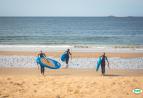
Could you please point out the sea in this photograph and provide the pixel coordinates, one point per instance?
(71, 30)
(25, 32)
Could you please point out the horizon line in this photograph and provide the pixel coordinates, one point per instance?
(73, 16)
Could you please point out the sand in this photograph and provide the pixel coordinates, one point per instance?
(69, 83)
(74, 54)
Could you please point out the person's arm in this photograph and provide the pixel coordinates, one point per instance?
(38, 54)
(107, 62)
(38, 66)
(44, 55)
(37, 63)
(70, 55)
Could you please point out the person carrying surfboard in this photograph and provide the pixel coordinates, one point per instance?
(42, 68)
(68, 56)
(103, 63)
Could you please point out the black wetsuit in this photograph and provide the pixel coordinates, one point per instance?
(42, 55)
(103, 64)
(67, 58)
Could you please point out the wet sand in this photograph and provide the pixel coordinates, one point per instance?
(74, 54)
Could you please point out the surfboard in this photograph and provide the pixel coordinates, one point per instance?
(98, 63)
(48, 62)
(64, 57)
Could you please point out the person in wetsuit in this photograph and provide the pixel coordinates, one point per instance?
(103, 63)
(42, 68)
(68, 56)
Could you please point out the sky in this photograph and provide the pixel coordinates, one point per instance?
(71, 7)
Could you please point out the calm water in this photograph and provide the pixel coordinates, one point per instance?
(71, 30)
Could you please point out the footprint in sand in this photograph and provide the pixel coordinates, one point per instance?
(23, 82)
(113, 90)
(113, 84)
(35, 84)
(126, 82)
(79, 87)
(3, 89)
(21, 90)
(93, 83)
(8, 78)
(120, 83)
(35, 91)
(58, 96)
(18, 84)
(11, 82)
(134, 80)
(108, 96)
(127, 93)
(5, 96)
(70, 90)
(40, 82)
(76, 92)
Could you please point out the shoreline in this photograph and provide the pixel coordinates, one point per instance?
(82, 61)
(74, 54)
(81, 57)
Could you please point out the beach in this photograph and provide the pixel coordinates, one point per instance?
(69, 83)
(20, 77)
(21, 39)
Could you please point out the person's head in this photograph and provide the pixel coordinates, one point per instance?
(41, 51)
(68, 49)
(103, 54)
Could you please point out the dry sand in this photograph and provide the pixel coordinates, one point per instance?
(69, 83)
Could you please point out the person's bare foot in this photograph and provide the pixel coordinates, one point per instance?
(102, 74)
(66, 66)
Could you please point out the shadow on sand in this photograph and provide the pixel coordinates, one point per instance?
(112, 75)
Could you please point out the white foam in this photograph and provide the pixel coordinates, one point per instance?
(33, 47)
(115, 63)
(79, 48)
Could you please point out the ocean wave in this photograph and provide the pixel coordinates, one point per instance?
(75, 48)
